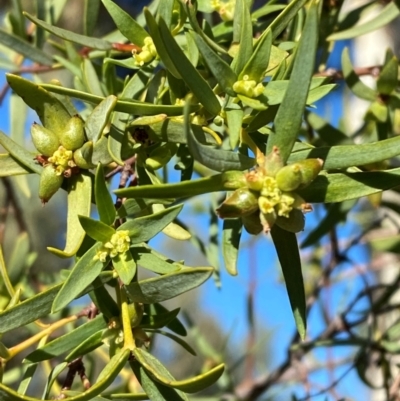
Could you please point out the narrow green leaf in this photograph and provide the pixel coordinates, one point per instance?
(344, 156)
(90, 15)
(52, 377)
(146, 257)
(339, 187)
(215, 159)
(27, 378)
(50, 110)
(90, 78)
(36, 307)
(387, 80)
(124, 106)
(83, 273)
(256, 66)
(289, 258)
(79, 203)
(90, 42)
(158, 320)
(159, 44)
(175, 338)
(96, 229)
(169, 286)
(226, 181)
(155, 391)
(242, 35)
(18, 161)
(126, 24)
(234, 118)
(232, 231)
(386, 15)
(86, 346)
(218, 67)
(165, 10)
(354, 82)
(67, 341)
(99, 117)
(125, 266)
(24, 48)
(288, 119)
(144, 228)
(104, 202)
(197, 84)
(174, 325)
(161, 374)
(104, 301)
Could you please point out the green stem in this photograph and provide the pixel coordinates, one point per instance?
(129, 341)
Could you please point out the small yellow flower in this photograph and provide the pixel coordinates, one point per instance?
(118, 244)
(62, 159)
(148, 53)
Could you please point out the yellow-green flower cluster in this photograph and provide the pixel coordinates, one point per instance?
(118, 244)
(147, 54)
(248, 87)
(226, 9)
(62, 159)
(268, 196)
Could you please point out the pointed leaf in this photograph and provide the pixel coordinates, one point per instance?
(197, 84)
(169, 286)
(143, 229)
(215, 159)
(90, 78)
(99, 117)
(24, 48)
(37, 306)
(67, 341)
(96, 229)
(86, 346)
(175, 338)
(218, 67)
(90, 16)
(386, 15)
(55, 372)
(149, 259)
(126, 24)
(387, 80)
(354, 82)
(90, 42)
(289, 258)
(79, 203)
(339, 187)
(288, 119)
(344, 156)
(104, 202)
(53, 115)
(232, 231)
(18, 161)
(125, 266)
(160, 373)
(83, 273)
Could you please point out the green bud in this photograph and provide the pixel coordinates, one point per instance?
(73, 136)
(83, 156)
(45, 141)
(241, 203)
(233, 180)
(252, 223)
(294, 223)
(255, 179)
(135, 311)
(50, 183)
(310, 168)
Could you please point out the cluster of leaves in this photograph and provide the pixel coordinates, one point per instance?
(228, 98)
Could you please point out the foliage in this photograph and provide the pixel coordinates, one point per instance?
(222, 92)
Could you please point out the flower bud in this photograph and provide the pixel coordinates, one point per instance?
(241, 203)
(73, 136)
(298, 175)
(294, 223)
(50, 183)
(255, 179)
(233, 180)
(83, 156)
(45, 141)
